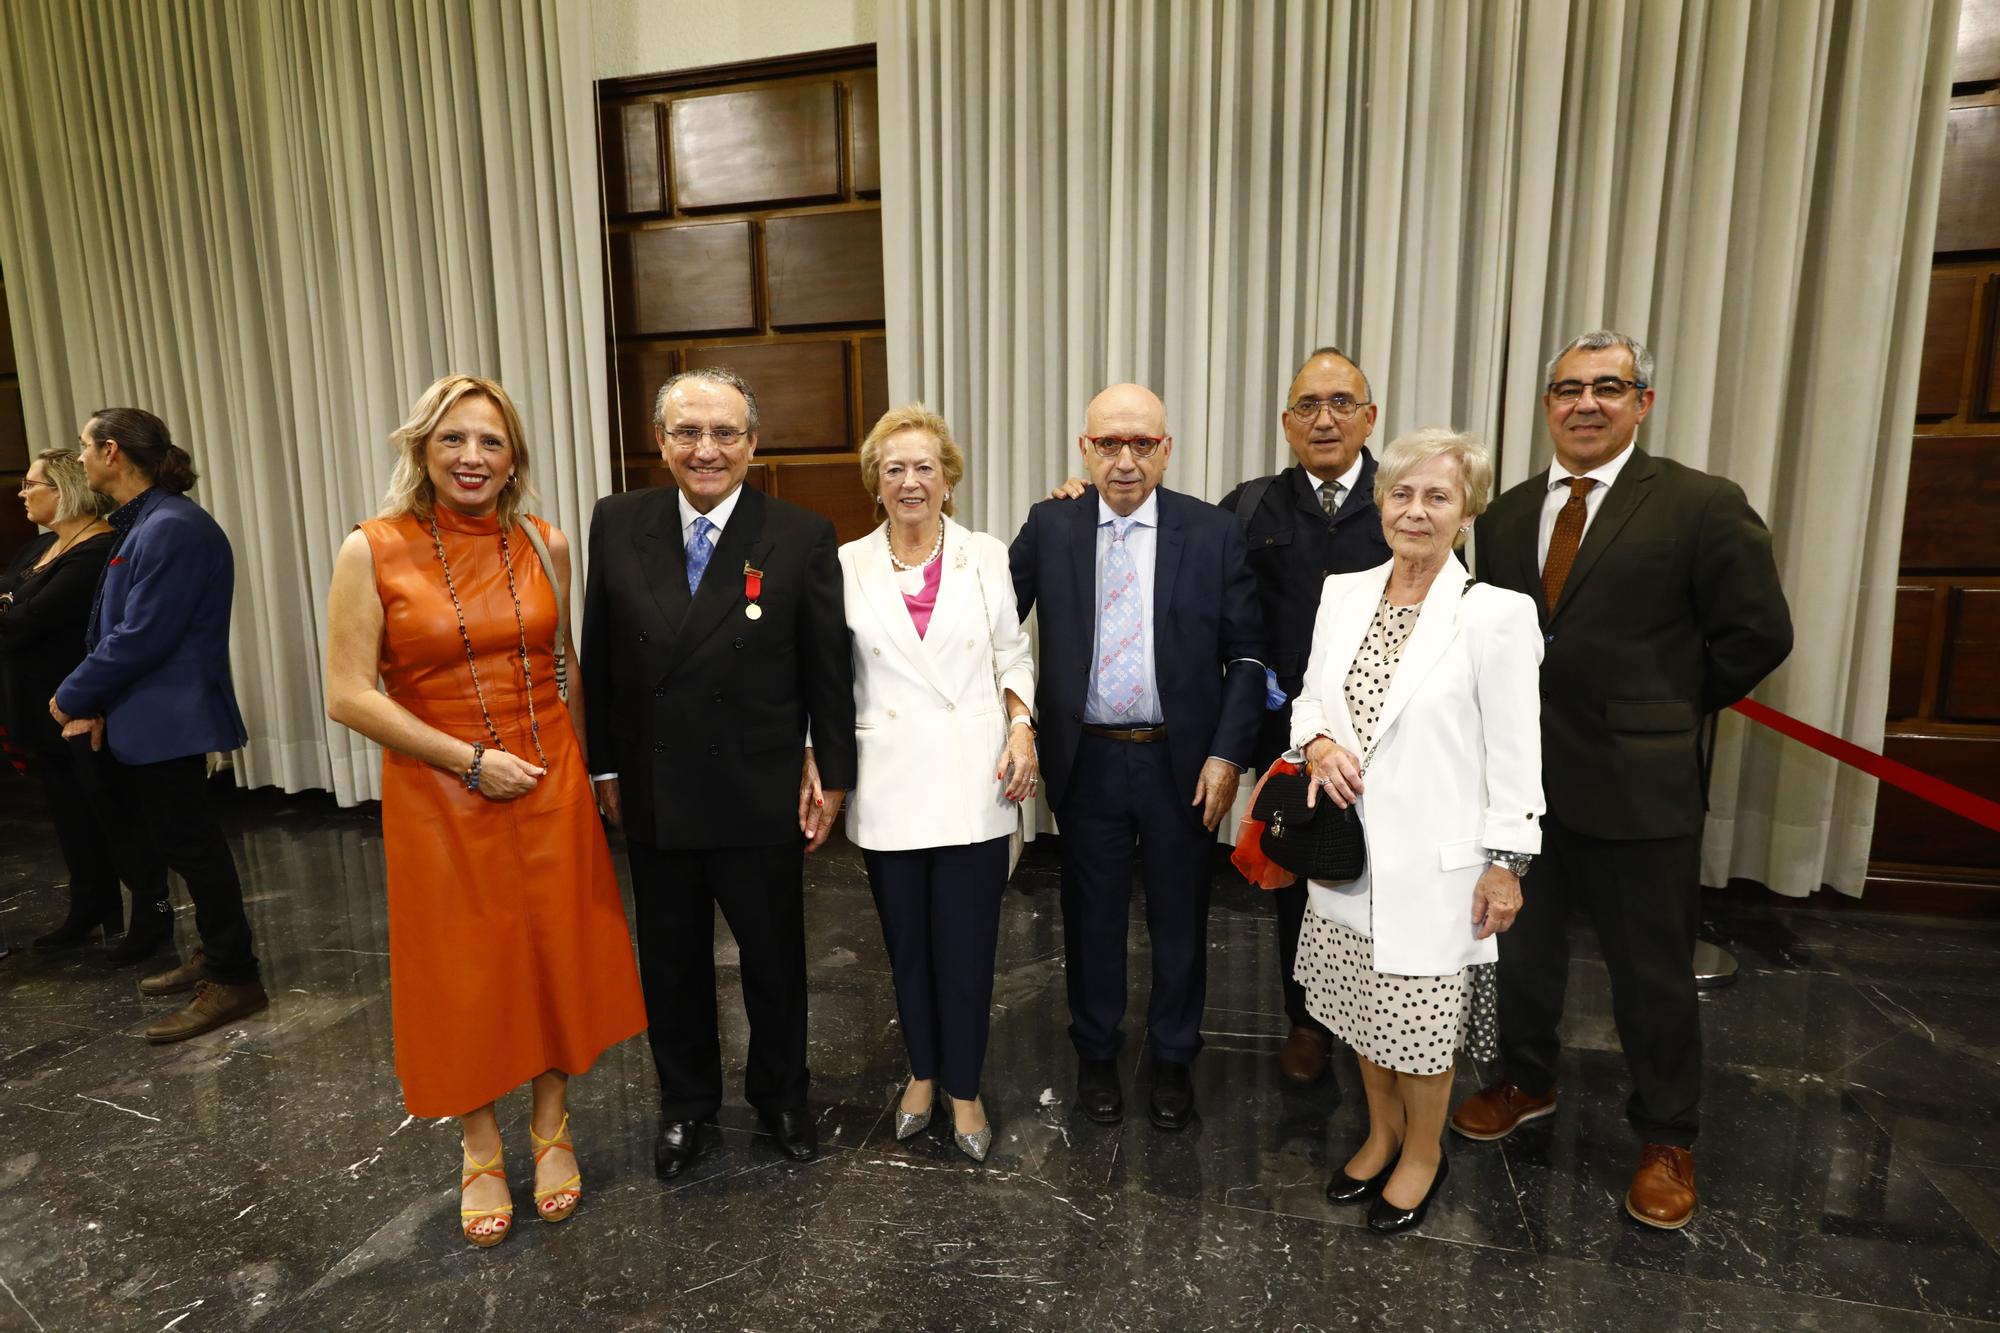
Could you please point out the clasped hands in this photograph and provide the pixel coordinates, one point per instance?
(72, 727)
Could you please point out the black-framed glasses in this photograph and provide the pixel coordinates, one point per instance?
(1608, 389)
(1307, 410)
(1110, 446)
(689, 437)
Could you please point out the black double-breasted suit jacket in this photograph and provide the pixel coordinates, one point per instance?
(699, 707)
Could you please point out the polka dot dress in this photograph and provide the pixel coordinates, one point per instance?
(1411, 1024)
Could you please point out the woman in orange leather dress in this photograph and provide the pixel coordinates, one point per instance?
(509, 958)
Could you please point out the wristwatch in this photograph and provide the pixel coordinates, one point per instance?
(1515, 862)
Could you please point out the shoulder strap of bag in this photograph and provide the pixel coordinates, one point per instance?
(1253, 495)
(534, 536)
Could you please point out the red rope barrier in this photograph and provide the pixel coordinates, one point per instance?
(1920, 785)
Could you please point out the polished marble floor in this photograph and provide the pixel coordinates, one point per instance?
(266, 1176)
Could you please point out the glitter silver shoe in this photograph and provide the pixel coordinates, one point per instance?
(977, 1144)
(909, 1126)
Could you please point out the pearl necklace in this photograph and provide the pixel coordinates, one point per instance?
(937, 549)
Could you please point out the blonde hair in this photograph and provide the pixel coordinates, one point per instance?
(912, 416)
(62, 468)
(410, 489)
(1414, 448)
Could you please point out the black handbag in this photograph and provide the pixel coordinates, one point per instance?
(1320, 842)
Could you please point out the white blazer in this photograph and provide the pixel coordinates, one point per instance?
(929, 720)
(1457, 766)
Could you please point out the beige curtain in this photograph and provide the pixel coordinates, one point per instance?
(274, 222)
(1193, 195)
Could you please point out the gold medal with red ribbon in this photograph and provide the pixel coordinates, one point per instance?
(753, 588)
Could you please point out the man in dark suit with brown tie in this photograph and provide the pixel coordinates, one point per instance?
(1660, 604)
(713, 634)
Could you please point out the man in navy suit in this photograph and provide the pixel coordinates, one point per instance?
(155, 688)
(1153, 688)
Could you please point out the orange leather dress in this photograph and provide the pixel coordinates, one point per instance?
(508, 949)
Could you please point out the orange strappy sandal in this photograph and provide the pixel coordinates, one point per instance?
(471, 1217)
(573, 1187)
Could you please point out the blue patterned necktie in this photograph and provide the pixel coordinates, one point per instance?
(699, 549)
(1121, 637)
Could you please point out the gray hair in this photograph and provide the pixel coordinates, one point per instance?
(722, 375)
(1415, 448)
(1596, 341)
(1330, 350)
(62, 467)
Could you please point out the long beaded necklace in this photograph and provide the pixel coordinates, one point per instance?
(471, 661)
(937, 549)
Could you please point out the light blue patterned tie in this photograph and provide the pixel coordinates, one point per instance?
(699, 549)
(1121, 629)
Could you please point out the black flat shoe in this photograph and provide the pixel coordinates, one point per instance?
(1173, 1094)
(676, 1148)
(1385, 1219)
(1097, 1091)
(82, 922)
(795, 1134)
(152, 929)
(1343, 1188)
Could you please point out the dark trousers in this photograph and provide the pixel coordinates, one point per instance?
(1292, 901)
(762, 895)
(1121, 793)
(1643, 896)
(80, 833)
(940, 910)
(170, 801)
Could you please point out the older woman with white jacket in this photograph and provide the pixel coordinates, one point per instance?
(1421, 702)
(944, 687)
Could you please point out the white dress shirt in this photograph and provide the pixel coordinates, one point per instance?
(1142, 540)
(1343, 485)
(1604, 474)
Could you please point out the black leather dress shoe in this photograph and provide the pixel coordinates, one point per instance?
(676, 1148)
(1173, 1094)
(1343, 1188)
(1386, 1219)
(794, 1132)
(1097, 1091)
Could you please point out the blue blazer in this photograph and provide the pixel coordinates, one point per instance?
(1209, 647)
(157, 669)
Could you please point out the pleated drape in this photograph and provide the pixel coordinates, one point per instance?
(1193, 195)
(274, 223)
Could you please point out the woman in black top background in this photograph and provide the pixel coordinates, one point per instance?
(45, 597)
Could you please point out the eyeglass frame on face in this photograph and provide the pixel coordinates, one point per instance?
(27, 483)
(1142, 446)
(1306, 410)
(724, 436)
(1595, 388)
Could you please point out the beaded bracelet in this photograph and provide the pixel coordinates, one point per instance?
(471, 778)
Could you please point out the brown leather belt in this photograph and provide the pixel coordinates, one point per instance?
(1136, 735)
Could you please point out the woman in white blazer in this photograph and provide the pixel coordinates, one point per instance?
(944, 688)
(1422, 702)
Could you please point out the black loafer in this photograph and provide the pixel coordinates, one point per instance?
(676, 1148)
(1343, 1188)
(793, 1132)
(1097, 1091)
(1385, 1219)
(1173, 1094)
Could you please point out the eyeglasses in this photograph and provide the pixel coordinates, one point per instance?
(1110, 446)
(1307, 410)
(689, 437)
(29, 484)
(1610, 389)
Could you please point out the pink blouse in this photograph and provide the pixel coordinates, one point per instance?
(924, 600)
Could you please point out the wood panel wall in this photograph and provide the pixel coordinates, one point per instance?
(743, 228)
(1944, 688)
(14, 450)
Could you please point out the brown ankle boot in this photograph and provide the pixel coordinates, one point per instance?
(214, 1005)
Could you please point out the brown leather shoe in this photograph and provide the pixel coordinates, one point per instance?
(177, 979)
(1499, 1109)
(214, 1005)
(1662, 1193)
(1302, 1059)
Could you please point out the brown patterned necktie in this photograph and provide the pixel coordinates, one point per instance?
(1329, 498)
(1564, 540)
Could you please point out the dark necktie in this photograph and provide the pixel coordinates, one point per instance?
(1564, 540)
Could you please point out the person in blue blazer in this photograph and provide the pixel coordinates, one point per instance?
(1152, 679)
(154, 689)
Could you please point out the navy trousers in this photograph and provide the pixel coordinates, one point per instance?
(940, 910)
(1121, 800)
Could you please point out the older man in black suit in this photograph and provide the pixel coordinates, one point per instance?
(713, 630)
(1660, 604)
(1152, 687)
